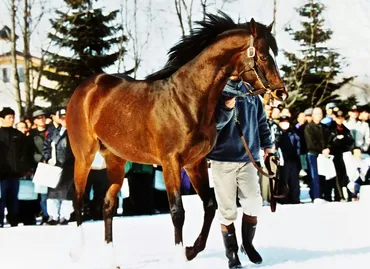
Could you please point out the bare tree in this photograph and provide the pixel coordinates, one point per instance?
(179, 16)
(225, 2)
(27, 55)
(15, 80)
(274, 18)
(137, 40)
(203, 3)
(189, 13)
(186, 17)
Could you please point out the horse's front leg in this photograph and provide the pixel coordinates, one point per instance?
(198, 174)
(115, 174)
(172, 178)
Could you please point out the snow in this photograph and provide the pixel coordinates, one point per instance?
(312, 236)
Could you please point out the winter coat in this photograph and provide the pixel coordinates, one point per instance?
(317, 136)
(338, 144)
(15, 160)
(360, 132)
(290, 144)
(37, 141)
(252, 118)
(64, 158)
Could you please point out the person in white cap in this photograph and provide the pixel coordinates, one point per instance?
(329, 118)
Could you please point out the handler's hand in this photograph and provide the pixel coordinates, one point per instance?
(230, 103)
(326, 152)
(268, 151)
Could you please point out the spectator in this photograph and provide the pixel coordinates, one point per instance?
(54, 124)
(301, 119)
(22, 127)
(289, 143)
(13, 165)
(141, 180)
(285, 112)
(328, 120)
(59, 201)
(37, 136)
(340, 141)
(316, 135)
(306, 178)
(308, 113)
(365, 129)
(97, 182)
(359, 173)
(359, 130)
(28, 121)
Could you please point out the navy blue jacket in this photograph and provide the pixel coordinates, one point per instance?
(251, 115)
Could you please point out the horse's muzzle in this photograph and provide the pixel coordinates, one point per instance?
(280, 94)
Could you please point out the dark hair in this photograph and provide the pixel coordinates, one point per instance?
(353, 150)
(6, 111)
(16, 125)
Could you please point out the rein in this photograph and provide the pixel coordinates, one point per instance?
(274, 188)
(270, 174)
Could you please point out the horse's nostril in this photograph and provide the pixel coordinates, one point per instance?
(281, 94)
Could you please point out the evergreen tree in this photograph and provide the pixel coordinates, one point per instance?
(309, 75)
(89, 36)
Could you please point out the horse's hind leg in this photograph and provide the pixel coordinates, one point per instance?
(115, 173)
(81, 172)
(198, 174)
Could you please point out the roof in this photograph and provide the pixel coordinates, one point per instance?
(20, 55)
(5, 33)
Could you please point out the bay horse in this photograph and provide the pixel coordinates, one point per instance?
(168, 118)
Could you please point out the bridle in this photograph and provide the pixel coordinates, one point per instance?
(268, 89)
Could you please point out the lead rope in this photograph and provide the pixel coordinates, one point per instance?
(240, 130)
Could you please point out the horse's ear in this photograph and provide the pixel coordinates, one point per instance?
(253, 27)
(269, 28)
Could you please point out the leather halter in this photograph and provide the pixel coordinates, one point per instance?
(252, 65)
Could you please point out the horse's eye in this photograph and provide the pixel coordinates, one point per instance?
(263, 57)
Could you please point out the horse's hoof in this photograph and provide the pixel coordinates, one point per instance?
(190, 253)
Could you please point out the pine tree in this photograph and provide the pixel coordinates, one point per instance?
(88, 35)
(310, 75)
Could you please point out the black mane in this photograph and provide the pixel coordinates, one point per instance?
(201, 37)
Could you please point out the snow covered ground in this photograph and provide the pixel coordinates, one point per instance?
(308, 236)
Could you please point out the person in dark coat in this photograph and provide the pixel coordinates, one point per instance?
(340, 141)
(59, 202)
(53, 125)
(289, 143)
(316, 135)
(14, 164)
(304, 153)
(37, 137)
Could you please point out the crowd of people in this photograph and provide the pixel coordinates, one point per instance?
(342, 138)
(345, 137)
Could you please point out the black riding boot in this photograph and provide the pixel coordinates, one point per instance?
(231, 246)
(248, 230)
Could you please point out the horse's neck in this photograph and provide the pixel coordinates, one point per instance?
(205, 76)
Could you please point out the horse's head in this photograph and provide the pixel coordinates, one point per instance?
(258, 67)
